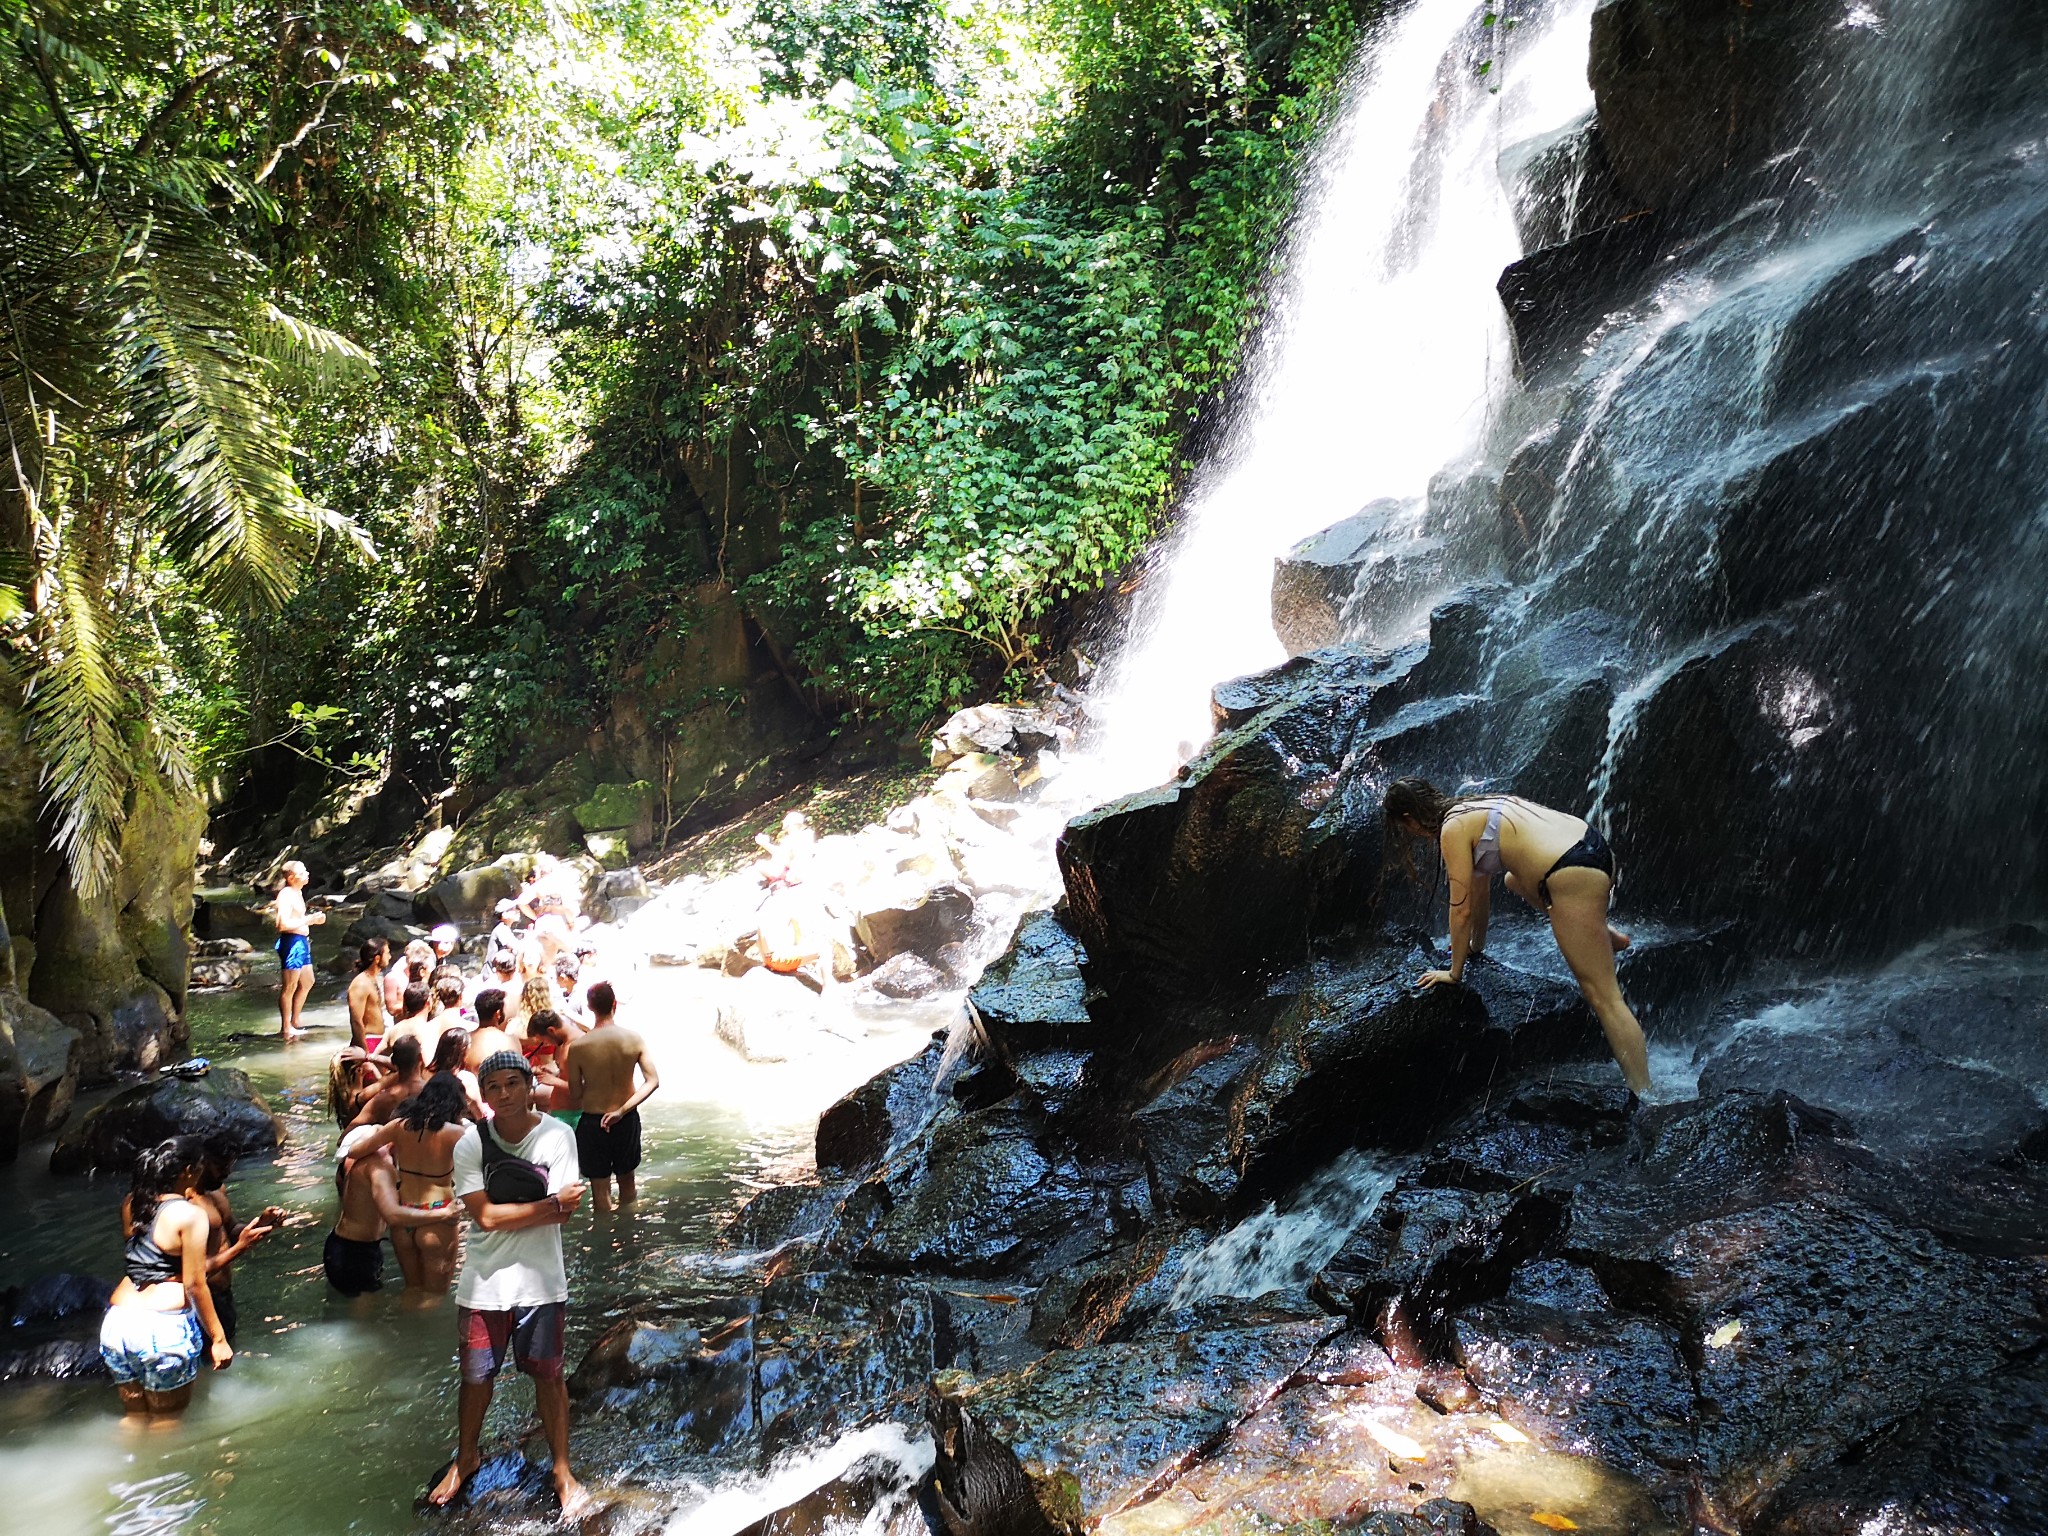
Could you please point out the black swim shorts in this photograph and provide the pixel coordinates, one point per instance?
(601, 1153)
(353, 1267)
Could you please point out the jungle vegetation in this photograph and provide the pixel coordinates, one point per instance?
(380, 379)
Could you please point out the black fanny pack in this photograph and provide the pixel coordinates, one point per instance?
(510, 1179)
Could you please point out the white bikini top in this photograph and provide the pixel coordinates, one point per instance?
(1486, 858)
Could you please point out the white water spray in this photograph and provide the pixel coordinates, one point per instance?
(1386, 350)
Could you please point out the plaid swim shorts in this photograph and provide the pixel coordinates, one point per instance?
(532, 1335)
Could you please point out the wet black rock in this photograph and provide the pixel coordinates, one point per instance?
(1561, 185)
(53, 1360)
(629, 1355)
(785, 1213)
(1270, 835)
(879, 1116)
(1188, 1132)
(1973, 1459)
(1900, 1099)
(1098, 1428)
(1035, 994)
(921, 925)
(834, 1350)
(52, 1298)
(978, 1486)
(1564, 1365)
(1359, 580)
(219, 1105)
(988, 1194)
(1553, 296)
(1432, 1517)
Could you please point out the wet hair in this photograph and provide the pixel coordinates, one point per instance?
(490, 1006)
(161, 1172)
(453, 1049)
(546, 1022)
(1421, 803)
(603, 1000)
(440, 1101)
(414, 1001)
(448, 991)
(405, 1055)
(366, 956)
(216, 1162)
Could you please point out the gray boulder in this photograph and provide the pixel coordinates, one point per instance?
(920, 925)
(472, 895)
(1360, 579)
(38, 1071)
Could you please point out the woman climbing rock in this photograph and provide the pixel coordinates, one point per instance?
(1554, 861)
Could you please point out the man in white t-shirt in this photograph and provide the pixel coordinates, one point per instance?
(514, 1292)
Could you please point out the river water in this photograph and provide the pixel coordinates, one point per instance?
(335, 1412)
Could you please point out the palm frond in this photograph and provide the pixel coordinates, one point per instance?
(201, 413)
(76, 701)
(311, 349)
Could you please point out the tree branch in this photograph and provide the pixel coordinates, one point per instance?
(39, 61)
(307, 126)
(179, 100)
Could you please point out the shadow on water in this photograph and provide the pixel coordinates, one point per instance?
(334, 1412)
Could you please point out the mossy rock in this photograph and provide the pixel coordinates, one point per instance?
(618, 807)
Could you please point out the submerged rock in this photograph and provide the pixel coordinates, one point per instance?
(219, 1105)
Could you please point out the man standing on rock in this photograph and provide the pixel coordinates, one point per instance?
(294, 949)
(516, 1174)
(599, 1066)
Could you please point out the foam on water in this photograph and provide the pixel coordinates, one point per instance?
(1276, 1248)
(897, 1456)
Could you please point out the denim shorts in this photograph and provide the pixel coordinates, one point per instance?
(160, 1351)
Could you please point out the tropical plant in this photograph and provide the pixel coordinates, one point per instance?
(140, 367)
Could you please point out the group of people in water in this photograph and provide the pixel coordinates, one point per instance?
(498, 1096)
(502, 1095)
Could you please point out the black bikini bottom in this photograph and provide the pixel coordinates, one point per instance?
(1589, 852)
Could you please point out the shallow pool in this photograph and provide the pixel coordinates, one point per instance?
(335, 1412)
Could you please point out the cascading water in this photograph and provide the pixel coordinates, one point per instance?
(1383, 356)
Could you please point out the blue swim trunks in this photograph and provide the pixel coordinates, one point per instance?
(160, 1350)
(294, 951)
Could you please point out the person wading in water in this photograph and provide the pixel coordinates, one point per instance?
(599, 1068)
(161, 1315)
(294, 949)
(517, 1176)
(1554, 861)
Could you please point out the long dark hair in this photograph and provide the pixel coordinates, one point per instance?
(440, 1101)
(405, 1055)
(1421, 803)
(454, 1046)
(162, 1171)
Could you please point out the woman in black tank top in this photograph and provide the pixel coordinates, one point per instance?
(161, 1315)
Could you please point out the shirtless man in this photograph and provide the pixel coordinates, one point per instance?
(489, 1037)
(599, 1067)
(354, 1255)
(294, 949)
(366, 993)
(408, 1072)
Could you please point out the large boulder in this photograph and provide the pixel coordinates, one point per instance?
(921, 923)
(626, 809)
(220, 1105)
(471, 895)
(39, 1060)
(1270, 834)
(881, 1115)
(1358, 580)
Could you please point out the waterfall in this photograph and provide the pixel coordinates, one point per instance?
(1383, 354)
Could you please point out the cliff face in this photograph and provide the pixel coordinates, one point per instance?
(88, 986)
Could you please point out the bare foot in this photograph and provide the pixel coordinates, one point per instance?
(446, 1491)
(1618, 939)
(290, 1035)
(576, 1499)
